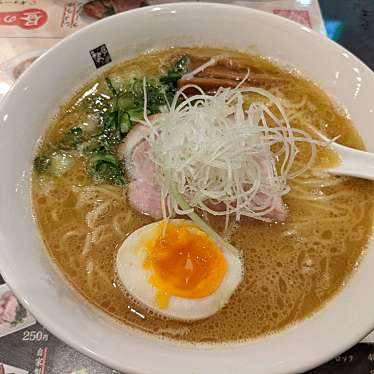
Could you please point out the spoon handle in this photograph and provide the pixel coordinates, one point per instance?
(354, 163)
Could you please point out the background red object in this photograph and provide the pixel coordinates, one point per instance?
(300, 16)
(26, 19)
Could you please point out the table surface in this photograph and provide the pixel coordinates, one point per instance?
(351, 24)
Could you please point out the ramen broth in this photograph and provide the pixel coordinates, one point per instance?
(291, 269)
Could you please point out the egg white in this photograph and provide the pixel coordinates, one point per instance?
(134, 277)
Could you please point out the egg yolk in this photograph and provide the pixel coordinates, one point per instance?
(185, 262)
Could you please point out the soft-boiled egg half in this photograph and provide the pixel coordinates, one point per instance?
(175, 269)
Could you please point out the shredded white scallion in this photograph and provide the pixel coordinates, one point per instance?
(200, 68)
(221, 157)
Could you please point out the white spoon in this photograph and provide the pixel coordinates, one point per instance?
(354, 163)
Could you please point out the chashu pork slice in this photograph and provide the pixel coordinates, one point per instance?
(144, 193)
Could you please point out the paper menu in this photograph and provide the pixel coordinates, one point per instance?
(40, 18)
(33, 25)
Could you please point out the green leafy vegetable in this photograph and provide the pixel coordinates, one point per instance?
(105, 167)
(126, 101)
(110, 86)
(42, 163)
(102, 162)
(71, 139)
(124, 122)
(136, 114)
(175, 73)
(118, 111)
(159, 92)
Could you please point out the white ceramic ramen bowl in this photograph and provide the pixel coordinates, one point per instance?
(23, 261)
